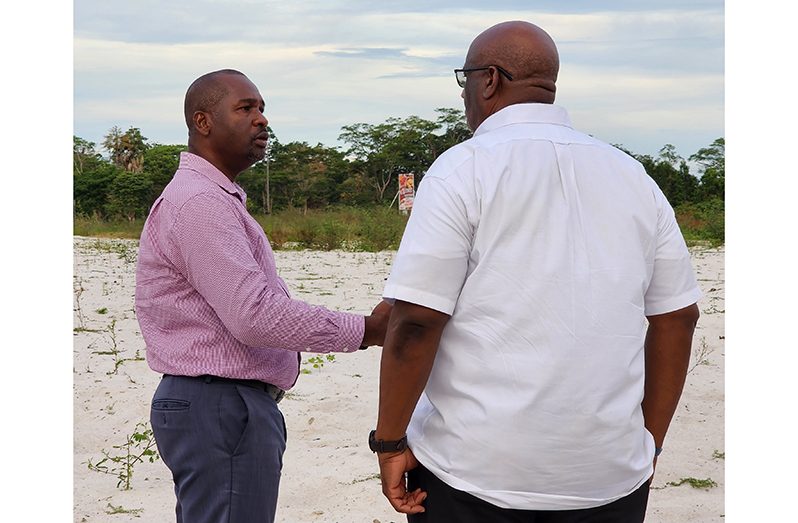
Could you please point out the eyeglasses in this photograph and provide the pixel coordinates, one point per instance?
(460, 74)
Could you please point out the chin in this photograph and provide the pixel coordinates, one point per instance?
(257, 155)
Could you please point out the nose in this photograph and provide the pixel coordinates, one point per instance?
(462, 93)
(261, 120)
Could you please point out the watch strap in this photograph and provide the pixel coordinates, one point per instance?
(381, 445)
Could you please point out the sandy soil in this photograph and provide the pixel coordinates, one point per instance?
(329, 473)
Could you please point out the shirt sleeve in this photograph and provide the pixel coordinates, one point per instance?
(212, 249)
(673, 285)
(431, 263)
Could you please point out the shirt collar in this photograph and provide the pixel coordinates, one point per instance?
(202, 166)
(525, 113)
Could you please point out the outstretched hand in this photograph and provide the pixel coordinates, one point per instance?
(394, 482)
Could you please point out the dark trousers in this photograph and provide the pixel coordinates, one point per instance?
(224, 444)
(447, 505)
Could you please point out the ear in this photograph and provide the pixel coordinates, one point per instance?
(202, 123)
(492, 84)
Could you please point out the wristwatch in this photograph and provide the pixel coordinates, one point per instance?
(386, 446)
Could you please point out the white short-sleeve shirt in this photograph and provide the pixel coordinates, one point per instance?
(548, 248)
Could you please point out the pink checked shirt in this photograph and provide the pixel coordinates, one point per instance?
(208, 297)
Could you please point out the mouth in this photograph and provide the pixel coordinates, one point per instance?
(261, 139)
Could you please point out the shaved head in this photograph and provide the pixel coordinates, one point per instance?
(522, 49)
(205, 93)
(225, 119)
(525, 50)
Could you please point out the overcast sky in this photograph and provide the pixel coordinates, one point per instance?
(638, 73)
(641, 73)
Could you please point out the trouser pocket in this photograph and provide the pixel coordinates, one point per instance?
(233, 418)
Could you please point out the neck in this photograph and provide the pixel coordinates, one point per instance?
(214, 159)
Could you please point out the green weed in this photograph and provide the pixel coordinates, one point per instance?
(138, 447)
(122, 510)
(705, 484)
(701, 354)
(317, 362)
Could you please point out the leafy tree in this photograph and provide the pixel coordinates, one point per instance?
(712, 162)
(672, 175)
(84, 155)
(305, 176)
(91, 189)
(126, 149)
(129, 196)
(160, 164)
(454, 125)
(668, 154)
(355, 190)
(381, 152)
(257, 180)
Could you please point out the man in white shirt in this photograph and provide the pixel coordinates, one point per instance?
(544, 312)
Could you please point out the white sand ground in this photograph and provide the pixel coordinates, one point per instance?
(329, 473)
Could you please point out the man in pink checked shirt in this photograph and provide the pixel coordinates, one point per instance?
(218, 321)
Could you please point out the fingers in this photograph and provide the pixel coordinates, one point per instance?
(394, 485)
(408, 502)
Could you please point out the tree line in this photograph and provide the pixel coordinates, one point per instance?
(125, 183)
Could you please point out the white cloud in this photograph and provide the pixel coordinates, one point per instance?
(324, 65)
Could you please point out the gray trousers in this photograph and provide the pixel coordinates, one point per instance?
(224, 444)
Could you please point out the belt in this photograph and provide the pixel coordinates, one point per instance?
(272, 390)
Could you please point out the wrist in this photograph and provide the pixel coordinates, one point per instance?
(382, 446)
(368, 330)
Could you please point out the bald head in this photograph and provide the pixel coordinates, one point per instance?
(527, 52)
(205, 93)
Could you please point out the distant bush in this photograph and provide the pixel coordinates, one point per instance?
(97, 227)
(703, 222)
(380, 228)
(350, 228)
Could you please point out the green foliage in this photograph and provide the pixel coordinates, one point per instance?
(129, 196)
(350, 228)
(84, 155)
(160, 164)
(321, 198)
(126, 149)
(400, 145)
(381, 229)
(125, 250)
(92, 188)
(705, 484)
(317, 362)
(703, 222)
(672, 175)
(96, 227)
(122, 510)
(712, 160)
(701, 354)
(138, 447)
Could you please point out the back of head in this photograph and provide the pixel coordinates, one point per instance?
(527, 52)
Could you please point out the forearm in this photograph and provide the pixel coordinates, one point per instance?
(407, 358)
(667, 349)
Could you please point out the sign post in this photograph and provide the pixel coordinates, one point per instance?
(406, 192)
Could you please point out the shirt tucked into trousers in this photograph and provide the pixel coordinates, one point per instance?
(210, 303)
